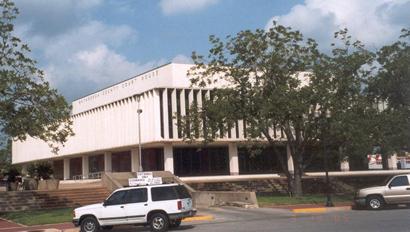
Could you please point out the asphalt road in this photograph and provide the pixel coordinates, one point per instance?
(272, 220)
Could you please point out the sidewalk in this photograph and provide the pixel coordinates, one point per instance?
(7, 226)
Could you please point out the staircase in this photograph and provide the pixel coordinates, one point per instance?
(65, 198)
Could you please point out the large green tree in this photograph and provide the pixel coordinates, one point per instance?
(28, 105)
(276, 79)
(391, 88)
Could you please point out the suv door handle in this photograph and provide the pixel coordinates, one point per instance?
(407, 188)
(145, 204)
(122, 207)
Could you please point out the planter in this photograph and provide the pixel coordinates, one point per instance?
(51, 184)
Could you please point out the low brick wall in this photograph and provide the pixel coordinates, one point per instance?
(279, 186)
(205, 199)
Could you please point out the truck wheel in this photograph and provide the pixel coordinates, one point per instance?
(159, 222)
(89, 224)
(375, 202)
(175, 223)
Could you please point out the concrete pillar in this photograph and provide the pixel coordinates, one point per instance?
(392, 162)
(86, 167)
(24, 170)
(290, 159)
(66, 169)
(107, 162)
(168, 158)
(135, 160)
(344, 165)
(233, 159)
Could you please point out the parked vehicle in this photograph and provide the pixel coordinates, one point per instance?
(159, 206)
(395, 191)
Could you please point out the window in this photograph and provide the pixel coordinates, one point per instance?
(163, 193)
(117, 198)
(169, 193)
(137, 195)
(399, 181)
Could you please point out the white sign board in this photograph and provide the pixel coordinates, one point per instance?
(144, 178)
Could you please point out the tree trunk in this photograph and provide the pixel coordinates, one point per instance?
(297, 183)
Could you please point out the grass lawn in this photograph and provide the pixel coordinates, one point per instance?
(40, 217)
(306, 199)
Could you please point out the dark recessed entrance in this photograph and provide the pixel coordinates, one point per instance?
(201, 161)
(153, 159)
(260, 162)
(121, 161)
(76, 167)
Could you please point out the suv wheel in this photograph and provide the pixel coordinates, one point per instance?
(375, 202)
(175, 223)
(159, 222)
(89, 224)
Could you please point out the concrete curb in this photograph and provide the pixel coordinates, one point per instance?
(321, 209)
(199, 218)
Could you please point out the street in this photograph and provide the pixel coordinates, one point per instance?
(246, 220)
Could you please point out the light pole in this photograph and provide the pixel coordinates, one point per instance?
(327, 116)
(139, 111)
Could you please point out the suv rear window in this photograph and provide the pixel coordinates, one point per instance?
(169, 193)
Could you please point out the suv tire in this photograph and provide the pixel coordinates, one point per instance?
(375, 202)
(175, 223)
(159, 222)
(89, 224)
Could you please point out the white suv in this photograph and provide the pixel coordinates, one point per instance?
(160, 206)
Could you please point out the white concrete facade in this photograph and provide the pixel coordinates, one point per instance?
(106, 122)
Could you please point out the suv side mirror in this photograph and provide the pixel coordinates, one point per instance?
(104, 202)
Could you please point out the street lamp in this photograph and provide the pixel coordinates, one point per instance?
(139, 111)
(327, 116)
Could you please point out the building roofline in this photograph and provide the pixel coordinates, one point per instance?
(150, 70)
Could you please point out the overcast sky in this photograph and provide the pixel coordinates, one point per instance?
(86, 45)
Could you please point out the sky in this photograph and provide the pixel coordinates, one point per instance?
(86, 45)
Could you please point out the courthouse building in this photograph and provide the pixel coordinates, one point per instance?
(105, 124)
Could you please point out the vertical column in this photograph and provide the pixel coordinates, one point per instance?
(168, 158)
(24, 170)
(135, 160)
(290, 159)
(233, 159)
(107, 162)
(66, 169)
(392, 162)
(85, 167)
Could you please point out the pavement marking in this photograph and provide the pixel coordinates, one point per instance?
(199, 218)
(309, 210)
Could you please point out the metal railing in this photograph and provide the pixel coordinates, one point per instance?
(92, 175)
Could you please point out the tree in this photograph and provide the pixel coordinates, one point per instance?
(391, 89)
(28, 105)
(266, 89)
(277, 79)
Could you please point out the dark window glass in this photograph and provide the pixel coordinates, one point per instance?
(96, 163)
(153, 159)
(194, 161)
(137, 195)
(399, 181)
(117, 198)
(76, 168)
(182, 192)
(121, 161)
(163, 193)
(262, 161)
(170, 124)
(179, 113)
